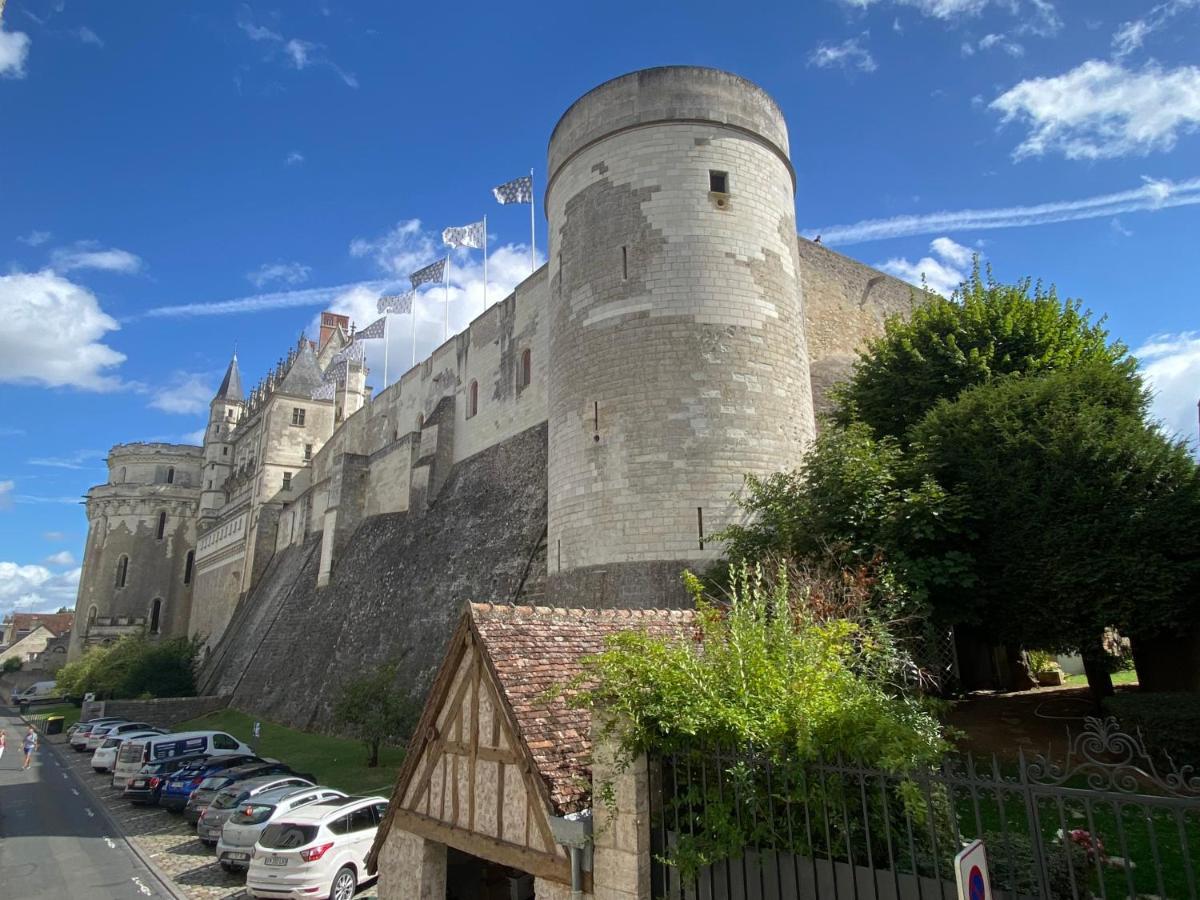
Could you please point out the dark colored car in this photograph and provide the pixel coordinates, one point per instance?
(178, 789)
(204, 793)
(147, 784)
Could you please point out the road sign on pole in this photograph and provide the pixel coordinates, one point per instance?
(971, 873)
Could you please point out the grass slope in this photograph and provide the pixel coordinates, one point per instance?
(336, 762)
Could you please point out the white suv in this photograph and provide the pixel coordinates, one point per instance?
(318, 850)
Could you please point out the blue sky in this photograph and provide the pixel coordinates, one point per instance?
(177, 179)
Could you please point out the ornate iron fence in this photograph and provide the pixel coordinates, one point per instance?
(1107, 821)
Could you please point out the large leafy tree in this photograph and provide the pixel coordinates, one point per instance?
(1079, 515)
(376, 711)
(987, 330)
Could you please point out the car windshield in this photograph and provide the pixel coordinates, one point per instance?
(253, 813)
(111, 742)
(212, 783)
(226, 799)
(287, 836)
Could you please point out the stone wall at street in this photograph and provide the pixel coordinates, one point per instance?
(165, 711)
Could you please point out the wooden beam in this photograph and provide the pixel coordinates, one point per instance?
(474, 750)
(553, 868)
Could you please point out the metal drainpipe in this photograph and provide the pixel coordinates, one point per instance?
(575, 833)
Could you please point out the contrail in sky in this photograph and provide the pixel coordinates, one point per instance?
(1151, 195)
(260, 302)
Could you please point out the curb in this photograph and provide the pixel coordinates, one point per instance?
(163, 879)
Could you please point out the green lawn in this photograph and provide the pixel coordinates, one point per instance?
(335, 762)
(1125, 676)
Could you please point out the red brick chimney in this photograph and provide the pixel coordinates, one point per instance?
(329, 323)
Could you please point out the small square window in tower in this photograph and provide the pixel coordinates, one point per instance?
(297, 416)
(287, 481)
(308, 451)
(718, 182)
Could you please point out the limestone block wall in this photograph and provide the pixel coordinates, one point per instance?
(846, 304)
(677, 349)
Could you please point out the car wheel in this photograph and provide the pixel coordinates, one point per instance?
(227, 867)
(344, 884)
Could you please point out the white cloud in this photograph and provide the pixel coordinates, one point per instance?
(1000, 41)
(1130, 36)
(52, 334)
(298, 53)
(54, 535)
(194, 437)
(88, 255)
(849, 54)
(1153, 194)
(35, 238)
(942, 272)
(404, 249)
(1039, 16)
(1171, 364)
(34, 588)
(14, 51)
(187, 394)
(87, 36)
(6, 494)
(261, 302)
(1118, 228)
(294, 158)
(61, 558)
(286, 272)
(80, 459)
(1102, 110)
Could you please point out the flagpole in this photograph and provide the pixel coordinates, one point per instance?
(385, 351)
(532, 228)
(413, 310)
(485, 285)
(446, 301)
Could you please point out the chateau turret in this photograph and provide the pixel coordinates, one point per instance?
(677, 358)
(223, 413)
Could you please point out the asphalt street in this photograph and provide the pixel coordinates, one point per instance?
(55, 843)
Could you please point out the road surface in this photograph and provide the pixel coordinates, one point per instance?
(55, 843)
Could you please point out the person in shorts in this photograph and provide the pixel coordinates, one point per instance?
(29, 745)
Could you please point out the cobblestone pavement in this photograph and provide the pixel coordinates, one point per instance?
(167, 839)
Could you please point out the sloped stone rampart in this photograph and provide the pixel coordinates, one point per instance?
(396, 590)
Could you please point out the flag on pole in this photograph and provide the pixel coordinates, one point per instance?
(326, 391)
(433, 273)
(372, 332)
(464, 236)
(352, 352)
(396, 303)
(519, 190)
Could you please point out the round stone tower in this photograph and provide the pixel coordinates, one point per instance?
(138, 559)
(676, 335)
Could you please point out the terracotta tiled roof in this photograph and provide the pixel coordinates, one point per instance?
(56, 623)
(533, 650)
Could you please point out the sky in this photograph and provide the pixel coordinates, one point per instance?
(180, 180)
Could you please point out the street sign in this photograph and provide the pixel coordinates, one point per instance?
(257, 730)
(971, 873)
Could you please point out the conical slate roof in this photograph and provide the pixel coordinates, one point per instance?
(231, 384)
(304, 375)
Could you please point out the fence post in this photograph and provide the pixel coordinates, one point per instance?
(1034, 824)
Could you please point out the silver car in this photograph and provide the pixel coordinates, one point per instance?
(225, 803)
(249, 818)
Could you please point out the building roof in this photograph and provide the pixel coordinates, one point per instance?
(533, 651)
(55, 623)
(231, 384)
(303, 375)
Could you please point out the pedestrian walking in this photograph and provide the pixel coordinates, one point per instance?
(3, 742)
(29, 745)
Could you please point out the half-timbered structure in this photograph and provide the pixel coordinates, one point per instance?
(499, 755)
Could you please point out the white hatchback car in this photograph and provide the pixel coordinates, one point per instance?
(243, 828)
(318, 850)
(105, 756)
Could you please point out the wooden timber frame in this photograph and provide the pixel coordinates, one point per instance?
(469, 780)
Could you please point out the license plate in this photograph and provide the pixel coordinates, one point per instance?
(276, 860)
(244, 856)
(138, 784)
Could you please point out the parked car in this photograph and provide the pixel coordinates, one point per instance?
(208, 789)
(80, 735)
(146, 784)
(225, 803)
(105, 756)
(97, 736)
(135, 754)
(179, 787)
(248, 819)
(316, 849)
(90, 722)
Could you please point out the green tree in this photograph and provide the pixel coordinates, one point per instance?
(376, 711)
(12, 664)
(985, 331)
(1079, 514)
(134, 667)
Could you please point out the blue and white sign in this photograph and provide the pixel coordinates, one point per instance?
(971, 873)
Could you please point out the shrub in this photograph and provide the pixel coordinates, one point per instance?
(12, 664)
(133, 667)
(1169, 723)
